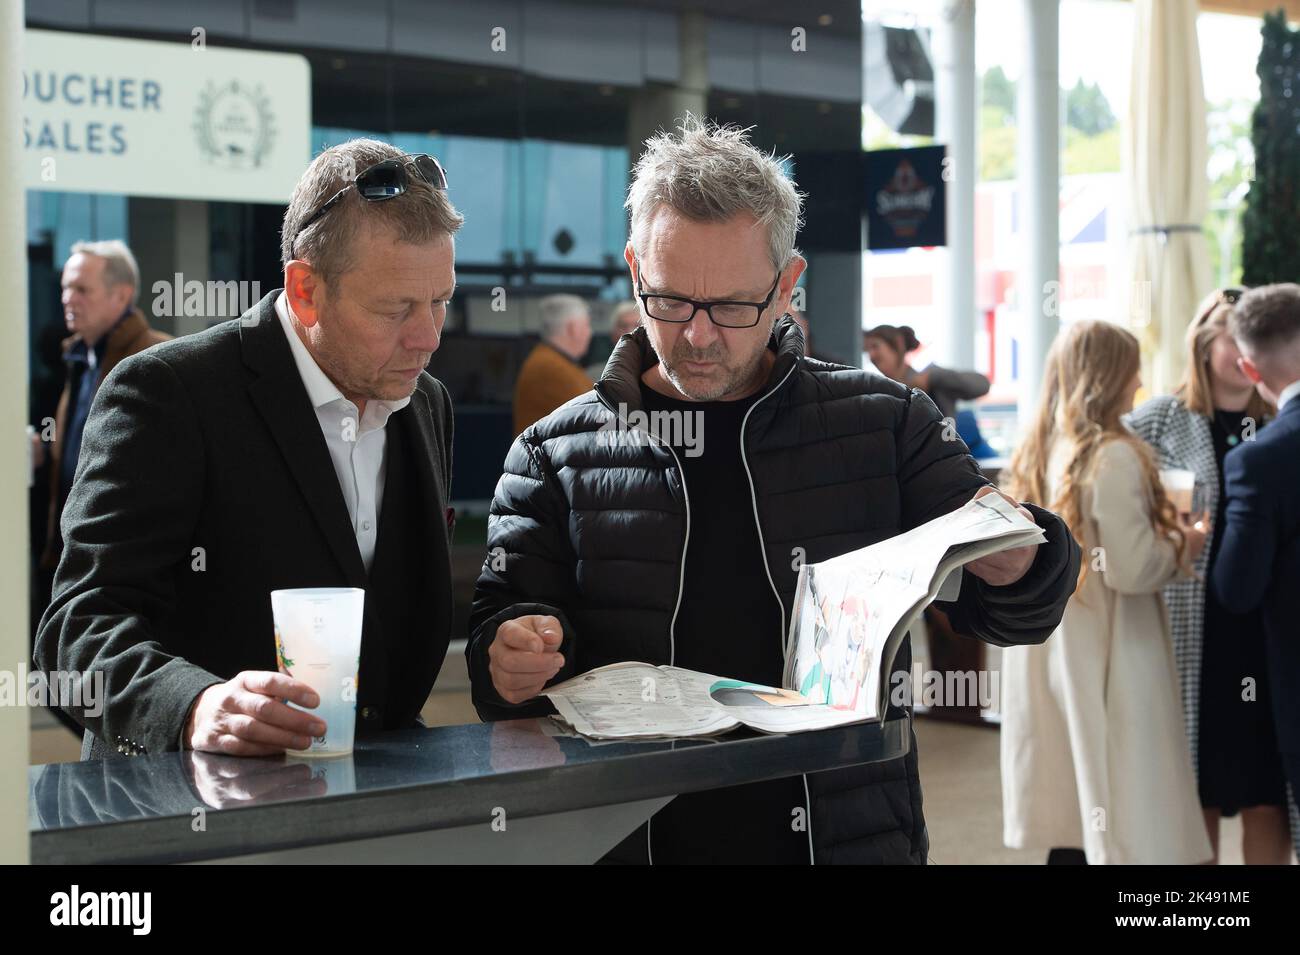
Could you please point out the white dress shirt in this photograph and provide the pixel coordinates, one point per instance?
(1288, 394)
(356, 448)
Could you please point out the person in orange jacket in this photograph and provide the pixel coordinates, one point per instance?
(551, 374)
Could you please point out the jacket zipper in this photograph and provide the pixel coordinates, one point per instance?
(762, 550)
(681, 567)
(681, 572)
(681, 576)
(753, 496)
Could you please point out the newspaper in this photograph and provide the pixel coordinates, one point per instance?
(850, 614)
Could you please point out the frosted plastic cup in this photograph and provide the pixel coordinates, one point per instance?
(318, 641)
(1179, 485)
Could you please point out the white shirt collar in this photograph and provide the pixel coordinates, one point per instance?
(1288, 393)
(320, 390)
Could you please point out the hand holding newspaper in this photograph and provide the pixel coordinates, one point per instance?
(850, 614)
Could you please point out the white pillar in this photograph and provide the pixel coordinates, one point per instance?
(956, 107)
(1038, 183)
(14, 466)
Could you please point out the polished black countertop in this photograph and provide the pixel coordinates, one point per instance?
(185, 807)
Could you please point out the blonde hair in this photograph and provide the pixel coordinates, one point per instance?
(1085, 388)
(1196, 390)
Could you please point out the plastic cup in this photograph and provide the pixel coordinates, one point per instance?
(318, 641)
(1179, 485)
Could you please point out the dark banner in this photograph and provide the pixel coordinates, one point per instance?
(905, 198)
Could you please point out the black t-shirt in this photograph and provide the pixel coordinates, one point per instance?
(729, 624)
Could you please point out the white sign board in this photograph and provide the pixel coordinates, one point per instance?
(142, 118)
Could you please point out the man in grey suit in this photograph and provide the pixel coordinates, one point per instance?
(301, 445)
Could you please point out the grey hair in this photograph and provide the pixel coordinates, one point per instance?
(556, 310)
(119, 263)
(710, 173)
(421, 214)
(629, 307)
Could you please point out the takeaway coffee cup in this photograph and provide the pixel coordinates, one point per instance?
(1179, 485)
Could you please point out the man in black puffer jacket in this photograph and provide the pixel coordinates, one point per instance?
(683, 549)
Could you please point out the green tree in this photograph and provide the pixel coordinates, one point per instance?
(997, 132)
(999, 92)
(1228, 167)
(1270, 239)
(1091, 136)
(1085, 154)
(1087, 110)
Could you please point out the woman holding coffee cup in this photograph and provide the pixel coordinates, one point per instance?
(1220, 654)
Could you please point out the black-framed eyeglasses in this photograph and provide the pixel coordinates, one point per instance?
(384, 180)
(725, 314)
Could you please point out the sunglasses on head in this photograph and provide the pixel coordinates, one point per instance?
(384, 180)
(1224, 296)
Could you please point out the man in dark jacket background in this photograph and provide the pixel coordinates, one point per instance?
(683, 550)
(1259, 557)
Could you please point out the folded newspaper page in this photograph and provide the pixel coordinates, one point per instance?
(850, 614)
(642, 701)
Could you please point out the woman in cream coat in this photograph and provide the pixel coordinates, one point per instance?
(1093, 747)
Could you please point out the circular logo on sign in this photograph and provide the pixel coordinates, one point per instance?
(234, 125)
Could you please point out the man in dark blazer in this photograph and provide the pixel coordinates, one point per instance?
(1259, 559)
(301, 445)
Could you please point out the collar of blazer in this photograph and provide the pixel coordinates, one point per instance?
(1290, 396)
(281, 398)
(122, 338)
(620, 383)
(1290, 410)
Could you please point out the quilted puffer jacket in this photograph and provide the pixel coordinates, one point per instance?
(594, 532)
